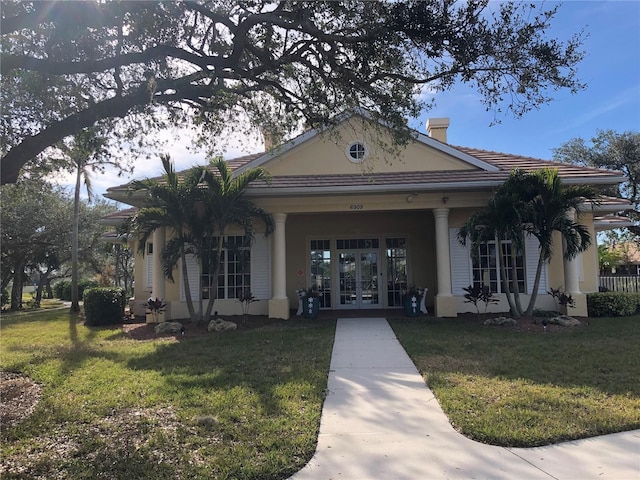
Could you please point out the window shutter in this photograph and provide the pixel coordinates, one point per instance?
(460, 263)
(531, 255)
(148, 267)
(193, 271)
(261, 268)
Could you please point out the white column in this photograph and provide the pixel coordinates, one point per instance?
(158, 281)
(445, 302)
(443, 263)
(571, 281)
(279, 257)
(279, 304)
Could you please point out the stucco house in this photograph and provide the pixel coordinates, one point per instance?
(363, 223)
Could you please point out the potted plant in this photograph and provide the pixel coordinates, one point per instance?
(411, 301)
(311, 303)
(155, 310)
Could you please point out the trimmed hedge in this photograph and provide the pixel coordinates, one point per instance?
(62, 289)
(613, 304)
(104, 306)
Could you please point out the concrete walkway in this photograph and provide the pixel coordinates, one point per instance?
(380, 421)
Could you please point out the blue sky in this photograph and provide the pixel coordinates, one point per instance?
(611, 70)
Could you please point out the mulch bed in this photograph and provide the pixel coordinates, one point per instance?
(526, 324)
(138, 330)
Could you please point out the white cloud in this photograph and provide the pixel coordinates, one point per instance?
(179, 144)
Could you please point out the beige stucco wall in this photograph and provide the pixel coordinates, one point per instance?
(327, 154)
(417, 227)
(589, 259)
(140, 290)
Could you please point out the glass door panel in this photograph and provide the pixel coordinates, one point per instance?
(347, 277)
(368, 267)
(358, 275)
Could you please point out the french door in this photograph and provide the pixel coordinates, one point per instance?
(359, 279)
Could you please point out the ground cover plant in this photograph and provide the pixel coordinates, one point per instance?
(242, 405)
(518, 387)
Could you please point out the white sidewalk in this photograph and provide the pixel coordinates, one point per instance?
(380, 421)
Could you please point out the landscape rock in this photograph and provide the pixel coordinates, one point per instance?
(206, 420)
(501, 321)
(564, 321)
(168, 327)
(220, 325)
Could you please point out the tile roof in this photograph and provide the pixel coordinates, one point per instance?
(116, 218)
(454, 179)
(425, 180)
(508, 162)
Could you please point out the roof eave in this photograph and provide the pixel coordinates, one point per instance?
(356, 189)
(122, 194)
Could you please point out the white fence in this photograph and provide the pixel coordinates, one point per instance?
(620, 284)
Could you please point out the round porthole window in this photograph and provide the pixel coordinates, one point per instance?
(356, 152)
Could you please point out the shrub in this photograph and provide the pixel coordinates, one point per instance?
(613, 304)
(6, 298)
(62, 289)
(104, 306)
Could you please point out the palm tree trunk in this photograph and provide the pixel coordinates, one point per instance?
(536, 286)
(505, 287)
(213, 290)
(187, 288)
(75, 303)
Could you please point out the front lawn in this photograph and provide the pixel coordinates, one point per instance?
(241, 405)
(507, 387)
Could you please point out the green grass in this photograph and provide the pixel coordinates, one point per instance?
(506, 387)
(241, 405)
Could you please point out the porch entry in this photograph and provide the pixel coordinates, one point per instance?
(368, 272)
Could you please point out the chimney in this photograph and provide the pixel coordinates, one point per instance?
(271, 137)
(437, 129)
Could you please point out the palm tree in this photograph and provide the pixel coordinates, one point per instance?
(534, 203)
(225, 205)
(172, 203)
(549, 208)
(499, 222)
(83, 153)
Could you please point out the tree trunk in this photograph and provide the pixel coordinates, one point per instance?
(75, 303)
(187, 288)
(16, 289)
(48, 288)
(536, 286)
(506, 290)
(116, 273)
(213, 291)
(41, 281)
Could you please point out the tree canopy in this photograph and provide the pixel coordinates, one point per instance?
(615, 151)
(36, 238)
(133, 65)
